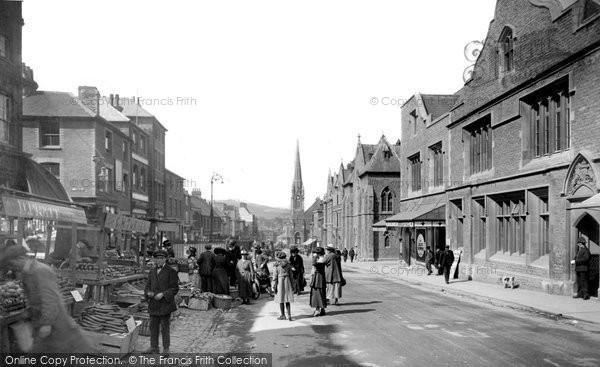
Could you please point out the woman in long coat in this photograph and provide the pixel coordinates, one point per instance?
(282, 285)
(333, 274)
(318, 286)
(297, 270)
(220, 277)
(245, 277)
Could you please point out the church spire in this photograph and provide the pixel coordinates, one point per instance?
(297, 186)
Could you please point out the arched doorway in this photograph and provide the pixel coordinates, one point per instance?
(589, 228)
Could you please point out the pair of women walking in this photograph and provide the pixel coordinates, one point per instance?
(326, 282)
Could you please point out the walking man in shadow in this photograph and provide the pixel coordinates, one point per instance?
(446, 260)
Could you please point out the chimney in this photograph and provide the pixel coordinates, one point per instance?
(112, 100)
(197, 192)
(90, 97)
(117, 104)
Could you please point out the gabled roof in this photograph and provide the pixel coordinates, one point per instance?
(200, 205)
(131, 108)
(55, 104)
(308, 214)
(438, 104)
(379, 163)
(111, 114)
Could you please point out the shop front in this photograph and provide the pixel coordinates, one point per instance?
(423, 226)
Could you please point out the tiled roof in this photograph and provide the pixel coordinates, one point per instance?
(308, 214)
(132, 109)
(379, 163)
(51, 104)
(109, 113)
(438, 104)
(199, 204)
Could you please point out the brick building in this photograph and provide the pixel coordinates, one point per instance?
(362, 194)
(175, 203)
(421, 218)
(72, 138)
(156, 155)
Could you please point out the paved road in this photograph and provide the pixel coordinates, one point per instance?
(385, 323)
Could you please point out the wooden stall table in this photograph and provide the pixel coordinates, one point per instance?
(101, 289)
(5, 322)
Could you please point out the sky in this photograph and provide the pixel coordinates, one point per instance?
(237, 83)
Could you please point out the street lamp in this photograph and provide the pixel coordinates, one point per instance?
(215, 178)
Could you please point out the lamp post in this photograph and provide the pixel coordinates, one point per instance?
(215, 178)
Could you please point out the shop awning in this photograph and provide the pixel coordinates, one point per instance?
(125, 223)
(591, 203)
(309, 241)
(425, 215)
(27, 208)
(167, 227)
(380, 226)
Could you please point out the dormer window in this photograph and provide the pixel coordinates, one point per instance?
(506, 47)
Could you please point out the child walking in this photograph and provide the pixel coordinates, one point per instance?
(282, 286)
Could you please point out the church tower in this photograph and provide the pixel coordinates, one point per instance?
(297, 190)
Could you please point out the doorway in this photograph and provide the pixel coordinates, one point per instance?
(589, 228)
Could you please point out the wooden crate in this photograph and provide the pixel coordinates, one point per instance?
(118, 343)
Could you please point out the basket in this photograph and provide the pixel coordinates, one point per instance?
(145, 326)
(201, 304)
(222, 301)
(234, 293)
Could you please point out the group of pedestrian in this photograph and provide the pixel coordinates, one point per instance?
(214, 270)
(442, 260)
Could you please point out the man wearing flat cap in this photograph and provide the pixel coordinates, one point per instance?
(581, 262)
(162, 286)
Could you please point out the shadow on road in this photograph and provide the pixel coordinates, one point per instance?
(358, 303)
(344, 312)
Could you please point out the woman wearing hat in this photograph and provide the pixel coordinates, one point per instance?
(333, 274)
(318, 286)
(297, 263)
(193, 267)
(245, 277)
(220, 279)
(282, 285)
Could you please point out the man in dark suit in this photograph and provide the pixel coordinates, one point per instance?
(233, 256)
(206, 264)
(446, 260)
(581, 262)
(163, 285)
(297, 270)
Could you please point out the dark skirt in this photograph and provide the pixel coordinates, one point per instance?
(220, 281)
(245, 282)
(298, 281)
(318, 298)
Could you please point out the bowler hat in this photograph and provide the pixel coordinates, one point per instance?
(294, 250)
(281, 255)
(158, 253)
(208, 246)
(166, 243)
(319, 251)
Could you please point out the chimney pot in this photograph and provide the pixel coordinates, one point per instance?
(117, 100)
(90, 97)
(112, 100)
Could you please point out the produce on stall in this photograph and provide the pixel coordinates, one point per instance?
(12, 298)
(104, 318)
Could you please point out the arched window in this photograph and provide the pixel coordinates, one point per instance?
(506, 44)
(386, 200)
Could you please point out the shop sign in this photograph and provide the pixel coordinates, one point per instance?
(167, 227)
(124, 223)
(24, 208)
(420, 245)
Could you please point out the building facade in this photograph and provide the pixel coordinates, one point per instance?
(175, 203)
(360, 195)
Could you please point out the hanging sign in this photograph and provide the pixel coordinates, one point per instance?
(25, 208)
(125, 223)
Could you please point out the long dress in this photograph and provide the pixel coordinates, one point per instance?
(298, 274)
(282, 280)
(318, 286)
(220, 277)
(193, 271)
(333, 275)
(245, 277)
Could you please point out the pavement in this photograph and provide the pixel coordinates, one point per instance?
(551, 305)
(385, 321)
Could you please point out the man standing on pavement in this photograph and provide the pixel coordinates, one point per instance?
(428, 259)
(446, 260)
(345, 254)
(581, 262)
(351, 253)
(206, 265)
(162, 286)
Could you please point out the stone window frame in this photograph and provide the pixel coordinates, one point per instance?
(506, 50)
(5, 119)
(49, 131)
(437, 158)
(415, 164)
(480, 147)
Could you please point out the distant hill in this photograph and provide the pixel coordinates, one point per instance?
(261, 211)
